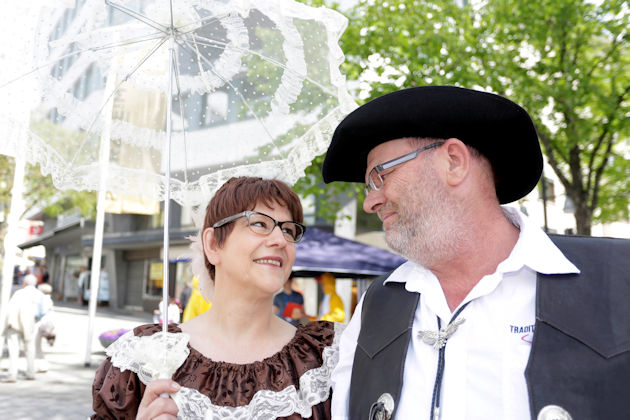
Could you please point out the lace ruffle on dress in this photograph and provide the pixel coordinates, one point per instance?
(292, 384)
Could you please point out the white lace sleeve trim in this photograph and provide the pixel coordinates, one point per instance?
(150, 357)
(265, 404)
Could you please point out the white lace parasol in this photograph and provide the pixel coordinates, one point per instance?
(255, 88)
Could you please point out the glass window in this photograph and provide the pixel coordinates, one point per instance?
(155, 278)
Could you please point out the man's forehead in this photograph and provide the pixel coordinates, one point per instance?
(391, 147)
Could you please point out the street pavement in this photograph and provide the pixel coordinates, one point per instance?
(65, 391)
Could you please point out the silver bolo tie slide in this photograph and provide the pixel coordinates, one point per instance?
(438, 339)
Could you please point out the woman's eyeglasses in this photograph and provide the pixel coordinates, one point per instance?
(262, 224)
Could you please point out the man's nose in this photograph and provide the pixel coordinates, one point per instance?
(373, 201)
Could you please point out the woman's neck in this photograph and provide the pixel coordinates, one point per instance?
(237, 329)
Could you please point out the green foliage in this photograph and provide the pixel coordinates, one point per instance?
(313, 185)
(39, 191)
(566, 61)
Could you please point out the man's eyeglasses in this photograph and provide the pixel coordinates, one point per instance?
(262, 224)
(375, 177)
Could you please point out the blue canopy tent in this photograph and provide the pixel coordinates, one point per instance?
(321, 252)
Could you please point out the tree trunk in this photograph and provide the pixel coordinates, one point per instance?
(583, 217)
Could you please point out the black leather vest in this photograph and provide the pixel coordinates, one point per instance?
(580, 356)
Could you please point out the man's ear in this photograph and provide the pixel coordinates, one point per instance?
(210, 246)
(458, 161)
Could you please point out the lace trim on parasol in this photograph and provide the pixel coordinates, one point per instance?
(150, 357)
(76, 167)
(268, 405)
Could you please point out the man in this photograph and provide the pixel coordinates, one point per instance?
(83, 283)
(488, 319)
(282, 299)
(45, 327)
(23, 312)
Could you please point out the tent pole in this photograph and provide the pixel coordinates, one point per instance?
(103, 163)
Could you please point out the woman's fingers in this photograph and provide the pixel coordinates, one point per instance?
(153, 406)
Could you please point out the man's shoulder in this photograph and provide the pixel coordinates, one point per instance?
(589, 242)
(380, 283)
(592, 253)
(590, 305)
(382, 297)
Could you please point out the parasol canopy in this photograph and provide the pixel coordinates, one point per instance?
(237, 87)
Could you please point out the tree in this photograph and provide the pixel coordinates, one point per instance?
(40, 191)
(566, 61)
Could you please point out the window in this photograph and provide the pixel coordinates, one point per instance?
(155, 278)
(546, 189)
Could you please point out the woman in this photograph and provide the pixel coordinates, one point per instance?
(237, 360)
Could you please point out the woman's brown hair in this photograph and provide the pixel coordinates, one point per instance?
(244, 193)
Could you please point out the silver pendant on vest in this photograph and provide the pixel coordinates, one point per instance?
(383, 408)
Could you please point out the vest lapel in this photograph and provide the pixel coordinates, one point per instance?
(386, 321)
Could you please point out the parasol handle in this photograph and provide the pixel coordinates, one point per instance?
(164, 376)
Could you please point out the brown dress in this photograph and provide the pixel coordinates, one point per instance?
(292, 384)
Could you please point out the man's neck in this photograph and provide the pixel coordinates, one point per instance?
(490, 241)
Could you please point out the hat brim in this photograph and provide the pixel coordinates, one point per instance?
(498, 128)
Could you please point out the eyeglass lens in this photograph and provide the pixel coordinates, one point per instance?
(263, 224)
(375, 181)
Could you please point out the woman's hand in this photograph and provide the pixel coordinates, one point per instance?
(152, 406)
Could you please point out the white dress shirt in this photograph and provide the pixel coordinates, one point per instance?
(485, 359)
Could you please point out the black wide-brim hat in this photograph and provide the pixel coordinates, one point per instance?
(498, 128)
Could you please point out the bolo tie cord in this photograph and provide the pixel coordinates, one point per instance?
(435, 400)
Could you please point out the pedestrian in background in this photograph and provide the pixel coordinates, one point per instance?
(174, 312)
(45, 328)
(184, 295)
(287, 295)
(23, 311)
(83, 285)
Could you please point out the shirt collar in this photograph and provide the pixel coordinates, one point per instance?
(534, 248)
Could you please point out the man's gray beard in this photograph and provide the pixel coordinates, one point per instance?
(427, 230)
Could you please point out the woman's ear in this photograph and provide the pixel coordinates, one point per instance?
(458, 161)
(210, 246)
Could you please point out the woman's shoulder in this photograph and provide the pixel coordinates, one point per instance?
(325, 332)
